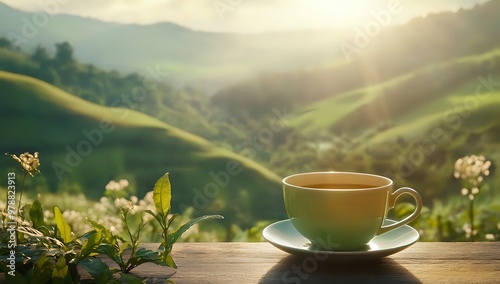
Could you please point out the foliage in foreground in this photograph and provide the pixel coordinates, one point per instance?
(32, 251)
(474, 218)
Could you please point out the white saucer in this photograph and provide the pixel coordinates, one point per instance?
(284, 236)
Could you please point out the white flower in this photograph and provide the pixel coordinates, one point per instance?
(465, 191)
(114, 224)
(471, 170)
(47, 214)
(134, 199)
(458, 168)
(123, 183)
(466, 228)
(490, 237)
(122, 203)
(113, 185)
(117, 185)
(76, 221)
(475, 190)
(486, 165)
(103, 205)
(468, 231)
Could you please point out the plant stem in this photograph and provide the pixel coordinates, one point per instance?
(471, 217)
(439, 227)
(133, 241)
(21, 196)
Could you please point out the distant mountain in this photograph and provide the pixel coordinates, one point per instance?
(393, 52)
(82, 146)
(207, 59)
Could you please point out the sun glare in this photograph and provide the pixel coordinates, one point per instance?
(335, 13)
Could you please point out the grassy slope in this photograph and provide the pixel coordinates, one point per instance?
(339, 111)
(36, 116)
(469, 125)
(326, 113)
(437, 111)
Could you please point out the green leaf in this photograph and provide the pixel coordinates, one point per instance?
(62, 226)
(162, 195)
(36, 214)
(158, 218)
(144, 255)
(42, 270)
(173, 237)
(111, 252)
(123, 247)
(170, 261)
(107, 235)
(93, 241)
(95, 267)
(127, 278)
(165, 259)
(96, 225)
(18, 278)
(61, 272)
(44, 230)
(106, 249)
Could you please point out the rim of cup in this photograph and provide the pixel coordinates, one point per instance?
(286, 182)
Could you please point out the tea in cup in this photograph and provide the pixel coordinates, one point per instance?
(343, 210)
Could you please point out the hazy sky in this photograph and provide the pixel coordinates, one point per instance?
(246, 15)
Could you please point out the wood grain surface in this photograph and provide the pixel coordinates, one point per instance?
(263, 263)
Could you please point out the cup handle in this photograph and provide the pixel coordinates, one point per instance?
(392, 202)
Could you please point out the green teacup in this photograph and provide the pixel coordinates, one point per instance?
(342, 210)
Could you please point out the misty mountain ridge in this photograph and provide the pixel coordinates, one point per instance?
(200, 58)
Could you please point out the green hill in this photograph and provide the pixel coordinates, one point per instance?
(82, 146)
(412, 127)
(404, 99)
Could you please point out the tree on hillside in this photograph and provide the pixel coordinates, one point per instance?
(66, 64)
(46, 71)
(6, 43)
(41, 55)
(64, 54)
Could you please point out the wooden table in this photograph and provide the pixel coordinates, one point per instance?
(262, 263)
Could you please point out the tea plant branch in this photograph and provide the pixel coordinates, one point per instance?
(471, 170)
(21, 194)
(51, 254)
(116, 247)
(30, 164)
(162, 196)
(471, 218)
